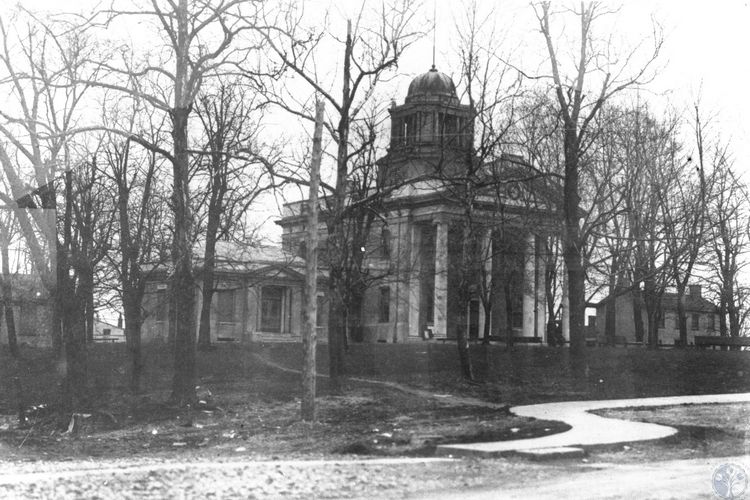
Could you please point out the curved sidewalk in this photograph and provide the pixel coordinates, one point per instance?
(587, 428)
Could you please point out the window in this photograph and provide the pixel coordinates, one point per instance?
(695, 321)
(106, 332)
(662, 322)
(711, 325)
(385, 243)
(410, 126)
(516, 320)
(271, 307)
(384, 309)
(592, 321)
(225, 306)
(321, 314)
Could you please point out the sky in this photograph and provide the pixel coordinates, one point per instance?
(703, 59)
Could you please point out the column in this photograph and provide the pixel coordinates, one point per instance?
(541, 290)
(529, 287)
(486, 255)
(441, 280)
(400, 258)
(415, 279)
(565, 307)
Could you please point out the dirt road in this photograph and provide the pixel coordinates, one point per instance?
(676, 479)
(369, 478)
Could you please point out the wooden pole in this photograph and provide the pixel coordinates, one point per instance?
(309, 337)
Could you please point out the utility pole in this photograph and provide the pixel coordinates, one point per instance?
(309, 337)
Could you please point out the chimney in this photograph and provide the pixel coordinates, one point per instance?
(695, 291)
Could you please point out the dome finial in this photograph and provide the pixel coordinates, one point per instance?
(434, 29)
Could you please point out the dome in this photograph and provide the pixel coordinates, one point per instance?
(432, 83)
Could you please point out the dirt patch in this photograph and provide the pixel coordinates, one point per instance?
(366, 421)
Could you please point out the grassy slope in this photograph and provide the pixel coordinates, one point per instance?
(259, 411)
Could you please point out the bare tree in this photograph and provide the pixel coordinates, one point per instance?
(684, 212)
(233, 171)
(134, 173)
(44, 65)
(368, 54)
(577, 113)
(652, 169)
(8, 234)
(200, 39)
(309, 338)
(728, 241)
(84, 236)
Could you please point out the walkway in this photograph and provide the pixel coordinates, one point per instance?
(587, 428)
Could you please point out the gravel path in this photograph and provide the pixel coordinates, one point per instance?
(371, 478)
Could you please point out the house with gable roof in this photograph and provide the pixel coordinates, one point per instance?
(702, 316)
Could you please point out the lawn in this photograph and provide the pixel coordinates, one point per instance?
(703, 431)
(252, 408)
(531, 374)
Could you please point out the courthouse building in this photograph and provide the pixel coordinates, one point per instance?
(449, 256)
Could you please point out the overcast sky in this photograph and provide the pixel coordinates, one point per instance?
(705, 52)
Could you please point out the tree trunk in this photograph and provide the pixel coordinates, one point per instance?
(7, 292)
(486, 334)
(462, 342)
(209, 259)
(71, 303)
(309, 335)
(734, 318)
(207, 294)
(204, 333)
(652, 312)
(133, 321)
(576, 297)
(723, 327)
(337, 238)
(335, 339)
(86, 290)
(354, 316)
(638, 313)
(508, 313)
(610, 311)
(572, 246)
(653, 328)
(553, 336)
(183, 283)
(681, 315)
(74, 338)
(57, 335)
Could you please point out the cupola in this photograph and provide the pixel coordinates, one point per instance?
(431, 85)
(432, 120)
